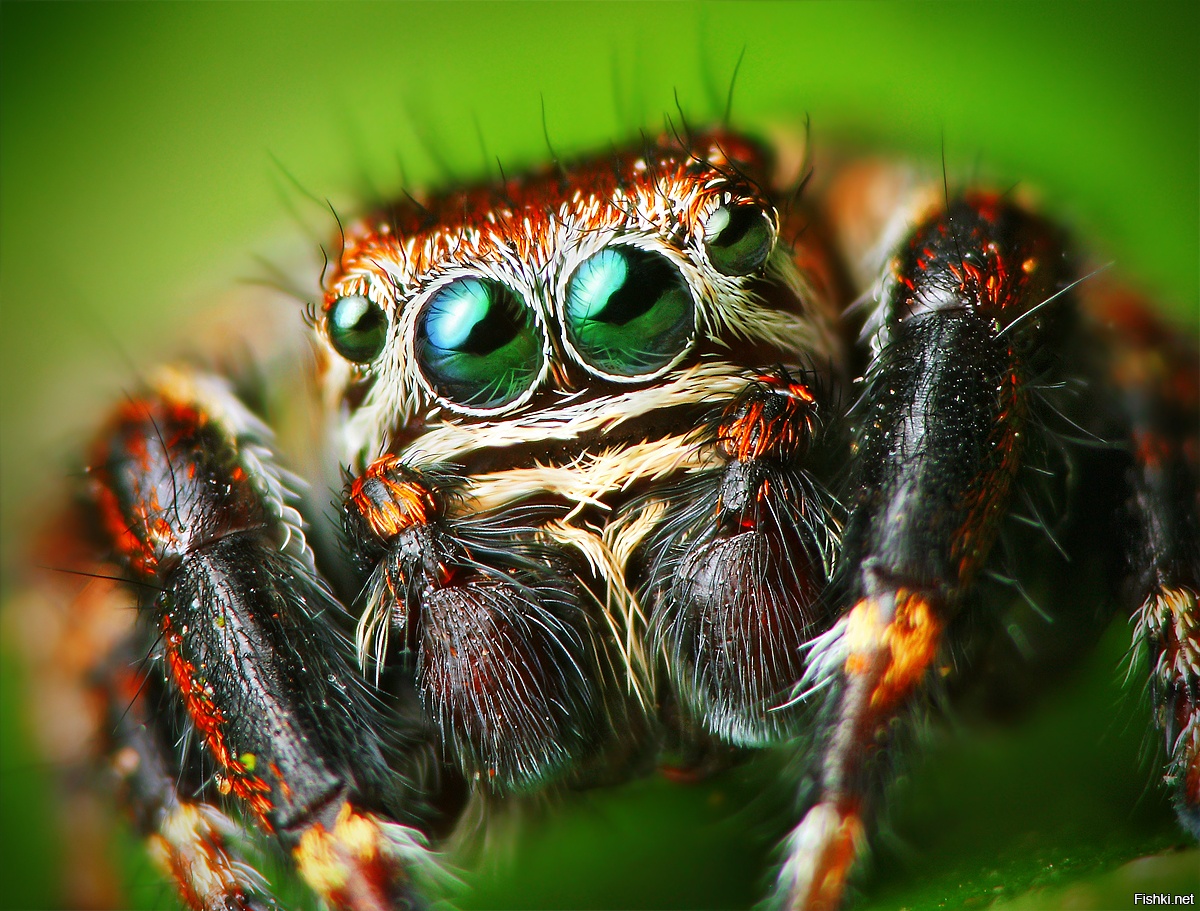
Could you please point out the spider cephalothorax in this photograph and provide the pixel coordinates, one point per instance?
(609, 484)
(559, 342)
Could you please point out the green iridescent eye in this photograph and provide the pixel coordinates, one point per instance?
(629, 312)
(477, 344)
(737, 239)
(357, 328)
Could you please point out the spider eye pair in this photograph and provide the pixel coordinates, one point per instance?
(628, 313)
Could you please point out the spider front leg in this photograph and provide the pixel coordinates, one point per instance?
(944, 429)
(189, 840)
(258, 685)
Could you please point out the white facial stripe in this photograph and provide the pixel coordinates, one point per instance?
(592, 476)
(708, 382)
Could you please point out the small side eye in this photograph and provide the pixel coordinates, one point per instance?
(737, 239)
(357, 328)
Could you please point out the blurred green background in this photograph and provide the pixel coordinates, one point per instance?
(142, 158)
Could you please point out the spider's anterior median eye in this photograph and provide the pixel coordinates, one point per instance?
(629, 312)
(357, 328)
(737, 239)
(477, 344)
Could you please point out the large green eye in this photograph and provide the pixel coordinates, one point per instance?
(477, 344)
(737, 239)
(629, 312)
(357, 328)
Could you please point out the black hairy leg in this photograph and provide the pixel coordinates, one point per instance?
(1152, 378)
(964, 331)
(253, 681)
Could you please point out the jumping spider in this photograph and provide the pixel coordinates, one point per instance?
(662, 450)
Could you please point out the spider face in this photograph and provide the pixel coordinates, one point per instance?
(649, 453)
(512, 300)
(578, 348)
